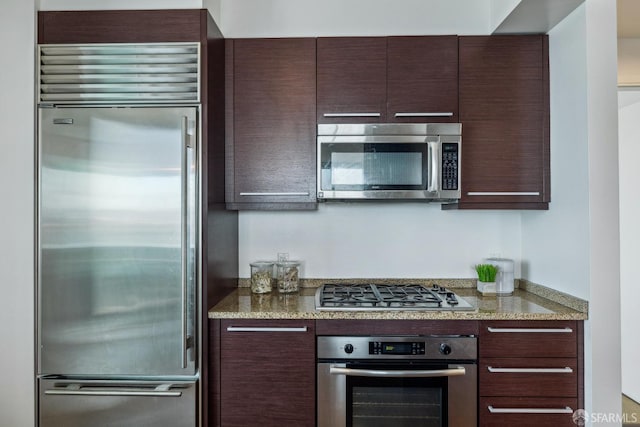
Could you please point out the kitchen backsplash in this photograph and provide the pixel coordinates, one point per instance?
(406, 240)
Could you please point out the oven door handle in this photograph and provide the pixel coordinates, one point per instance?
(429, 373)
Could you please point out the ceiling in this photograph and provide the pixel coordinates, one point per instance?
(628, 18)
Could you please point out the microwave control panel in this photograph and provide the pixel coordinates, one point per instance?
(450, 166)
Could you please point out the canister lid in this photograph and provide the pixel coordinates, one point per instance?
(504, 264)
(262, 264)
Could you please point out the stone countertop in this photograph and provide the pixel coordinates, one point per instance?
(531, 303)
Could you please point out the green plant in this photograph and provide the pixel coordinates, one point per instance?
(486, 272)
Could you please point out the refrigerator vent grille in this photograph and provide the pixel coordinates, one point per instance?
(115, 73)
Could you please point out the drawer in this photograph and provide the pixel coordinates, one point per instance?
(554, 377)
(526, 412)
(528, 339)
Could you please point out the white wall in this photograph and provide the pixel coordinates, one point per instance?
(380, 240)
(309, 18)
(629, 149)
(603, 328)
(555, 243)
(17, 28)
(215, 9)
(500, 9)
(575, 246)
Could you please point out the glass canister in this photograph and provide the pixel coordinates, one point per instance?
(261, 277)
(288, 276)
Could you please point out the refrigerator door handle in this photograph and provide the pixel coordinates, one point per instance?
(163, 390)
(184, 238)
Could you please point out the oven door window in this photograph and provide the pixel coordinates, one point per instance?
(373, 166)
(396, 402)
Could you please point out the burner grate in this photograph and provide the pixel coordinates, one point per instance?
(387, 297)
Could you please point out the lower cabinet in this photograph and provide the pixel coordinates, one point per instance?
(267, 373)
(530, 373)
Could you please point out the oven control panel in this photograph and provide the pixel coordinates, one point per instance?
(431, 347)
(393, 347)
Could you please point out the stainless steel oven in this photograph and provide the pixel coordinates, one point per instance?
(397, 381)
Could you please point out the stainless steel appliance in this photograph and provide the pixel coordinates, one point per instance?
(389, 296)
(118, 237)
(397, 381)
(389, 161)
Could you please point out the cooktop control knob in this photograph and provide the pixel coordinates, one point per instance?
(348, 348)
(445, 349)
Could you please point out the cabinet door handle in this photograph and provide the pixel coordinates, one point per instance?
(565, 410)
(351, 115)
(531, 330)
(566, 370)
(503, 193)
(437, 114)
(281, 193)
(265, 329)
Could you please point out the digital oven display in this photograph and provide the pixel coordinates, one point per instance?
(396, 348)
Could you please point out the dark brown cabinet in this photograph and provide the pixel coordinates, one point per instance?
(271, 117)
(266, 373)
(530, 373)
(504, 110)
(388, 79)
(422, 79)
(352, 79)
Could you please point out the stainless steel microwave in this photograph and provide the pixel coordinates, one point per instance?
(404, 161)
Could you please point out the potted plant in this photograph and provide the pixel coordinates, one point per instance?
(486, 278)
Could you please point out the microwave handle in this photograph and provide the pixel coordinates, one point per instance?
(433, 158)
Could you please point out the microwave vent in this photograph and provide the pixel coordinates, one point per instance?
(116, 73)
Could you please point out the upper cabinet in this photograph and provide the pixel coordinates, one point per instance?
(422, 79)
(271, 123)
(352, 80)
(123, 26)
(504, 110)
(388, 79)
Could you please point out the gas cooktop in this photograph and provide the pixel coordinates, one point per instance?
(385, 297)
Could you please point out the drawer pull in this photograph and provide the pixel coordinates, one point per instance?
(566, 370)
(503, 193)
(265, 329)
(351, 115)
(278, 193)
(565, 410)
(437, 114)
(531, 330)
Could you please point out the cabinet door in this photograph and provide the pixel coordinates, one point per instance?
(504, 110)
(352, 79)
(267, 373)
(273, 114)
(422, 79)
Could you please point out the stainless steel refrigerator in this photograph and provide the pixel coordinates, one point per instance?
(117, 266)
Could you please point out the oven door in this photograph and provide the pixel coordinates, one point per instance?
(397, 394)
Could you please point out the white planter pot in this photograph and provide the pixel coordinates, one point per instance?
(486, 288)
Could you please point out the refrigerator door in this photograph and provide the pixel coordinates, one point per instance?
(108, 404)
(116, 239)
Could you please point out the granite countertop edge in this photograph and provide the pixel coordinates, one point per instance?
(530, 301)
